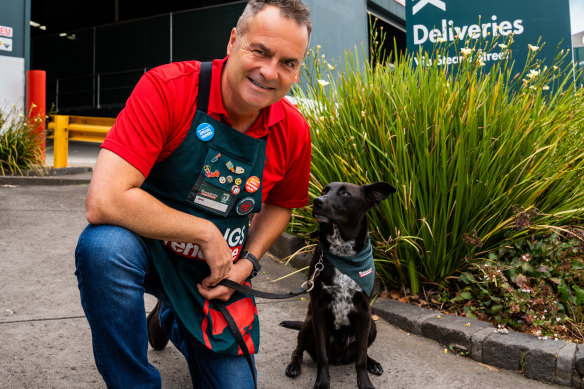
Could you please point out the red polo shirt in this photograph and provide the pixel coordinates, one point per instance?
(158, 115)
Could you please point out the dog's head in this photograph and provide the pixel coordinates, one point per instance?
(343, 203)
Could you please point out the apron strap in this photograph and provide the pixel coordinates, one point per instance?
(205, 89)
(204, 86)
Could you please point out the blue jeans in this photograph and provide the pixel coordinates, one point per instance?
(114, 270)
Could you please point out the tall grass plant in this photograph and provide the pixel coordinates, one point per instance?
(19, 143)
(465, 149)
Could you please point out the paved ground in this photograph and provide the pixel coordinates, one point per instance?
(46, 341)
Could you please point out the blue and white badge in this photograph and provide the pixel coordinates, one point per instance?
(205, 132)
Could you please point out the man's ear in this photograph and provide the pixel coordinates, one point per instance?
(232, 41)
(377, 192)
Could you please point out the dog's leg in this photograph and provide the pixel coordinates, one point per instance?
(305, 339)
(362, 341)
(373, 366)
(321, 339)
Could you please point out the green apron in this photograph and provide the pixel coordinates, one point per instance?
(215, 174)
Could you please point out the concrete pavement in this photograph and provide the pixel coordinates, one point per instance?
(46, 342)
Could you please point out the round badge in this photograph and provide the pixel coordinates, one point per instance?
(245, 206)
(252, 184)
(237, 181)
(205, 132)
(222, 180)
(235, 189)
(229, 179)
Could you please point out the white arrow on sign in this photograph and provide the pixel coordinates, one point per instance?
(422, 3)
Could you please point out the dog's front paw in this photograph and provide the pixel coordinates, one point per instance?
(374, 367)
(293, 370)
(363, 382)
(322, 384)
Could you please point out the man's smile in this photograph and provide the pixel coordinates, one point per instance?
(259, 85)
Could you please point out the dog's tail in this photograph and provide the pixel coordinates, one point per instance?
(294, 325)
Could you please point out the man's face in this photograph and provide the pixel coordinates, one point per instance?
(264, 61)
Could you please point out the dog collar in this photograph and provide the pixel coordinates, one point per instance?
(359, 267)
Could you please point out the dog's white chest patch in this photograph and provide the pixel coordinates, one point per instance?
(342, 291)
(340, 247)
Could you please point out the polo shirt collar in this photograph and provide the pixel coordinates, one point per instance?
(268, 116)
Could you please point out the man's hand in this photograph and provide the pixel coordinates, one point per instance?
(239, 272)
(218, 256)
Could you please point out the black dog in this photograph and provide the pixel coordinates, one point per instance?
(338, 328)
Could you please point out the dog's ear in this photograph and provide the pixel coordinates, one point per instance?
(377, 192)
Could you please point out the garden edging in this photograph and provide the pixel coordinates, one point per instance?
(553, 361)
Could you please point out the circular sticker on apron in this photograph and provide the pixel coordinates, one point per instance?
(235, 189)
(252, 184)
(245, 206)
(205, 132)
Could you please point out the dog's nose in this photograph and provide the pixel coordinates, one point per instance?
(318, 201)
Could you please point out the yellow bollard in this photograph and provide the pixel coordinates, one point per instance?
(61, 142)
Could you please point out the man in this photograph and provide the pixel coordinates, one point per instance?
(196, 150)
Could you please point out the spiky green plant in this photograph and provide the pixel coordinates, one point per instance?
(463, 148)
(19, 143)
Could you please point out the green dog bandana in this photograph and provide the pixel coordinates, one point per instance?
(360, 267)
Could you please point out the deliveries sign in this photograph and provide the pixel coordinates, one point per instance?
(441, 21)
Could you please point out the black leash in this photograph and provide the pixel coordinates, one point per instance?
(306, 287)
(238, 337)
(233, 325)
(259, 293)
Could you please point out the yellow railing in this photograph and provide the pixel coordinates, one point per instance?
(80, 128)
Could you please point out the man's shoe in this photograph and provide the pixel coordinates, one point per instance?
(156, 336)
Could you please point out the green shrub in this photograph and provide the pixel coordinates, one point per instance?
(534, 285)
(464, 149)
(19, 142)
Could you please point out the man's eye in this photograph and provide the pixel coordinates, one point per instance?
(259, 52)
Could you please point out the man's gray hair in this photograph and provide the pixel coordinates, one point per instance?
(292, 9)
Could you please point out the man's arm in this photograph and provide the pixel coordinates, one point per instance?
(265, 228)
(115, 197)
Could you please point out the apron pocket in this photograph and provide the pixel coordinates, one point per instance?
(222, 179)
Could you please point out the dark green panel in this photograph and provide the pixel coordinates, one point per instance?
(115, 88)
(13, 17)
(203, 34)
(68, 56)
(75, 92)
(133, 45)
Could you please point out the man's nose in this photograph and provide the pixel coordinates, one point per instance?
(269, 70)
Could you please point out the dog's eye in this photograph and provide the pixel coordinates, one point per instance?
(345, 194)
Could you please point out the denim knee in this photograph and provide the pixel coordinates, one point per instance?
(110, 251)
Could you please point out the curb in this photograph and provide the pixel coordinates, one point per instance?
(557, 362)
(52, 176)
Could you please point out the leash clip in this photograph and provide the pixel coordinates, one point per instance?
(309, 284)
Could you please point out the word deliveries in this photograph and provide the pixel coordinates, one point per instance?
(450, 32)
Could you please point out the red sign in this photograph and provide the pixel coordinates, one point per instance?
(6, 31)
